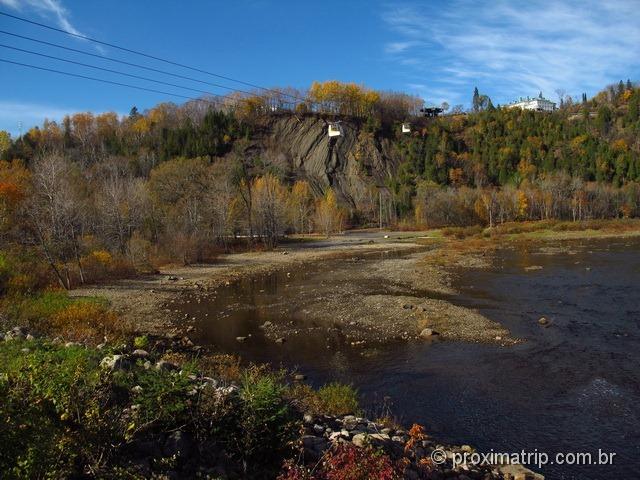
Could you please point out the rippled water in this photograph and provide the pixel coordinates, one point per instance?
(572, 387)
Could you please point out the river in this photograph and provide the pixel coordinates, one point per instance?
(573, 386)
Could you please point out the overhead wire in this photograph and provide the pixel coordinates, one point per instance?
(153, 57)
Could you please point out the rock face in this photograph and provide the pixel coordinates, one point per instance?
(350, 163)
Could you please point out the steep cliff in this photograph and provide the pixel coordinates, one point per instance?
(356, 164)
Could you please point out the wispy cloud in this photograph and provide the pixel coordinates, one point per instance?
(48, 9)
(45, 8)
(513, 48)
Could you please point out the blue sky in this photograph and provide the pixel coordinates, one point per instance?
(439, 50)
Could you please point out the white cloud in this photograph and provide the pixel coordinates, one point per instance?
(45, 8)
(518, 48)
(48, 9)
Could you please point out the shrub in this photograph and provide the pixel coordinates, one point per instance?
(267, 424)
(50, 399)
(141, 342)
(346, 462)
(331, 399)
(84, 321)
(54, 312)
(338, 399)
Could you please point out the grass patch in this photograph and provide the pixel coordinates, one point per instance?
(331, 399)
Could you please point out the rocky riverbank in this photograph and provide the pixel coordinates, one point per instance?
(182, 450)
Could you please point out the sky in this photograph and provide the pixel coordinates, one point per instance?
(439, 50)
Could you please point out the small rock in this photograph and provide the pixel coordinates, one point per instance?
(241, 339)
(280, 340)
(137, 389)
(139, 353)
(29, 337)
(428, 332)
(299, 377)
(113, 362)
(166, 366)
(266, 324)
(543, 321)
(308, 419)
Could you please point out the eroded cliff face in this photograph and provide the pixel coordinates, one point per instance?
(355, 164)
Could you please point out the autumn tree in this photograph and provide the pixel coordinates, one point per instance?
(56, 214)
(328, 216)
(300, 207)
(269, 208)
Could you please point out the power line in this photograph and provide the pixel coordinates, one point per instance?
(139, 77)
(153, 57)
(86, 77)
(164, 72)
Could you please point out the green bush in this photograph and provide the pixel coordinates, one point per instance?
(141, 342)
(267, 424)
(63, 415)
(338, 399)
(51, 409)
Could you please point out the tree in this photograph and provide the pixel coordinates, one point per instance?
(56, 213)
(5, 142)
(269, 206)
(328, 216)
(475, 102)
(561, 92)
(300, 206)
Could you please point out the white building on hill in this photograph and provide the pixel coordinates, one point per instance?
(539, 104)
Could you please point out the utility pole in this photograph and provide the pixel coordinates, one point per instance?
(380, 201)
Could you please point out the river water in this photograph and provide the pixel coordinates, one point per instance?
(571, 387)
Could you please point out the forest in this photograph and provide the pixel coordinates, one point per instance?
(100, 195)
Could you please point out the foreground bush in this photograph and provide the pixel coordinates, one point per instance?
(69, 411)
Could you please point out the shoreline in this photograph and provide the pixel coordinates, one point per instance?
(417, 279)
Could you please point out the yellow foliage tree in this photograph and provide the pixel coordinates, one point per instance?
(328, 216)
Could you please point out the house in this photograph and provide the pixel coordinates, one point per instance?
(539, 104)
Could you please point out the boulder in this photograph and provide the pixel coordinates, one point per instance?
(374, 439)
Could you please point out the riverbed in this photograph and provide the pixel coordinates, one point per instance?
(572, 385)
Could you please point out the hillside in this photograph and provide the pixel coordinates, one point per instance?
(177, 183)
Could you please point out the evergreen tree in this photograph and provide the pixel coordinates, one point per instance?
(476, 100)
